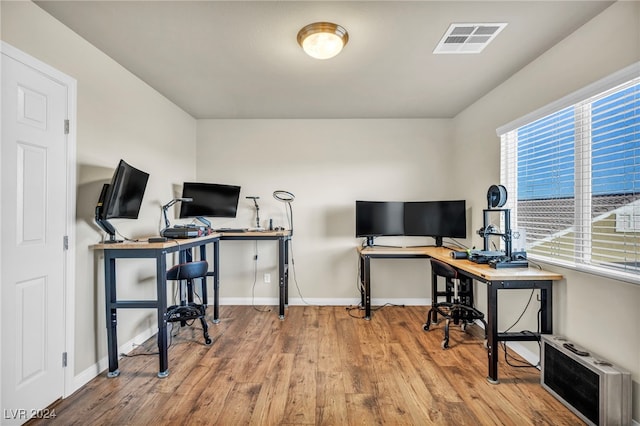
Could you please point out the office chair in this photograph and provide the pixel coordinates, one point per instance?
(188, 310)
(458, 306)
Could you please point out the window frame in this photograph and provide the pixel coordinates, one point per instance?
(581, 101)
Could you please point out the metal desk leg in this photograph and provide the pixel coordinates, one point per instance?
(546, 307)
(216, 282)
(362, 281)
(161, 289)
(286, 271)
(492, 332)
(281, 257)
(111, 311)
(367, 287)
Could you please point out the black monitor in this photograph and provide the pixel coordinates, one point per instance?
(209, 199)
(437, 219)
(121, 198)
(378, 219)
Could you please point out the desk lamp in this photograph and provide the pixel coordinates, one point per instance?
(169, 204)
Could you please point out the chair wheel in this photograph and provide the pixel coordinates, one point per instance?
(463, 326)
(207, 341)
(445, 344)
(425, 327)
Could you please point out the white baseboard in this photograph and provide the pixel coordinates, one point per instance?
(298, 301)
(102, 365)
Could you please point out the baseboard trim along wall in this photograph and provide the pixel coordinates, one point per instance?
(299, 301)
(102, 365)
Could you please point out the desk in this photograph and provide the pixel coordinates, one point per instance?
(283, 258)
(495, 279)
(157, 251)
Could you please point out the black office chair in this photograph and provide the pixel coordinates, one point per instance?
(458, 306)
(188, 310)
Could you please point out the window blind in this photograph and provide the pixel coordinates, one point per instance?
(573, 177)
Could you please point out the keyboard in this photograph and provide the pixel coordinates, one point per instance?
(231, 230)
(487, 253)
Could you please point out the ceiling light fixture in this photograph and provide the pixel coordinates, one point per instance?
(322, 40)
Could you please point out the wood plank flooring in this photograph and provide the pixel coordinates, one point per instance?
(319, 366)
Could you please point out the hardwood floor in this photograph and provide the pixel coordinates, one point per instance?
(318, 366)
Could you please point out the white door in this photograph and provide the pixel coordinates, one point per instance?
(33, 213)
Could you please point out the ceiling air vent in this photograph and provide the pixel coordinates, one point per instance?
(468, 38)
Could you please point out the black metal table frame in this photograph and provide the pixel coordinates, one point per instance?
(160, 304)
(493, 337)
(283, 262)
(493, 286)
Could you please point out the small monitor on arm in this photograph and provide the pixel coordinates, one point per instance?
(121, 198)
(209, 200)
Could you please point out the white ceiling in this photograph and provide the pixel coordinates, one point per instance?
(240, 59)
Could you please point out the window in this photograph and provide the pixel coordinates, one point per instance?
(573, 175)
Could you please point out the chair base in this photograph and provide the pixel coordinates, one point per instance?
(457, 313)
(190, 312)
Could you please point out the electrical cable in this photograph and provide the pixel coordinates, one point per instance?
(295, 275)
(524, 363)
(255, 279)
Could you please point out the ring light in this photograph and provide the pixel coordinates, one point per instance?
(284, 196)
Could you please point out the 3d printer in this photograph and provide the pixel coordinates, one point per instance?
(496, 198)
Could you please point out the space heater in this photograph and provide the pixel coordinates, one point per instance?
(594, 389)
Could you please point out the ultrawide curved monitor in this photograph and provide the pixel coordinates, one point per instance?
(435, 219)
(379, 218)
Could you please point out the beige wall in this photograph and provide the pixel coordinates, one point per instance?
(119, 116)
(598, 313)
(328, 165)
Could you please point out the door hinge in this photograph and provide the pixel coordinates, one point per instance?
(65, 242)
(66, 127)
(64, 359)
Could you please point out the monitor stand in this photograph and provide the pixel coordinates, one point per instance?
(438, 241)
(370, 241)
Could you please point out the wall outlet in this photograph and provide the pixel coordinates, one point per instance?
(267, 278)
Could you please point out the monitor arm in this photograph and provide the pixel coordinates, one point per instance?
(255, 202)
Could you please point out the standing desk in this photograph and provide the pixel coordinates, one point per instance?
(282, 237)
(157, 251)
(495, 279)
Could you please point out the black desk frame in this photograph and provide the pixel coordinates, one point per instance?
(493, 337)
(365, 275)
(493, 286)
(283, 261)
(183, 247)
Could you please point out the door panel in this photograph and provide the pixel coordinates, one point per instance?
(34, 181)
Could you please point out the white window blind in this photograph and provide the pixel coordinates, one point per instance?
(574, 182)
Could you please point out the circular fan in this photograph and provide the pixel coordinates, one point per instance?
(496, 196)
